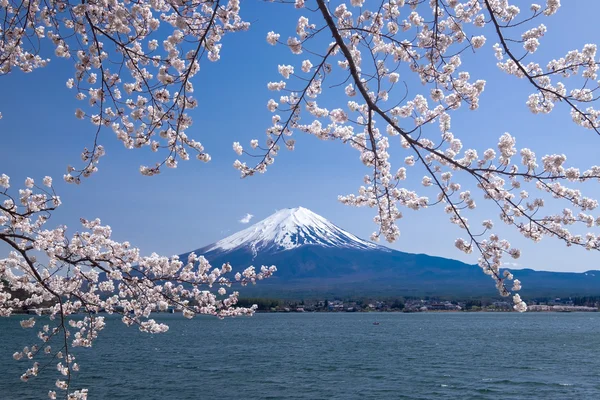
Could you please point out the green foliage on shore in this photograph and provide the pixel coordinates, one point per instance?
(264, 304)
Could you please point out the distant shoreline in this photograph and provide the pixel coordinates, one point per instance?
(420, 312)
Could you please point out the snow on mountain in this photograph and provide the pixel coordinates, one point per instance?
(313, 256)
(288, 229)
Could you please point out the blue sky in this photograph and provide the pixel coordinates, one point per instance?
(198, 203)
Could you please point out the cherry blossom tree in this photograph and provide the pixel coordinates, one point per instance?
(89, 272)
(370, 46)
(76, 276)
(134, 69)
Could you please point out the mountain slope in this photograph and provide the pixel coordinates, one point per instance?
(315, 257)
(288, 229)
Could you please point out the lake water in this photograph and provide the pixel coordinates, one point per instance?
(332, 356)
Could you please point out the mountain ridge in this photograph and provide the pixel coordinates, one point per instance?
(314, 256)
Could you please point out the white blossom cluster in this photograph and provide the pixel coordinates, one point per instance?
(88, 272)
(134, 62)
(366, 49)
(549, 82)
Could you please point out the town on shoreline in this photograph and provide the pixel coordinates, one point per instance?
(406, 305)
(409, 305)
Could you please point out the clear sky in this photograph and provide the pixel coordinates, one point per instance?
(197, 204)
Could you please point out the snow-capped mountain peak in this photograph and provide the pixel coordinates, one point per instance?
(288, 229)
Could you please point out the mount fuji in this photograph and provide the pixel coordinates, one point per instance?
(290, 229)
(315, 257)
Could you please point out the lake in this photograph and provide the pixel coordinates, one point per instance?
(331, 356)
